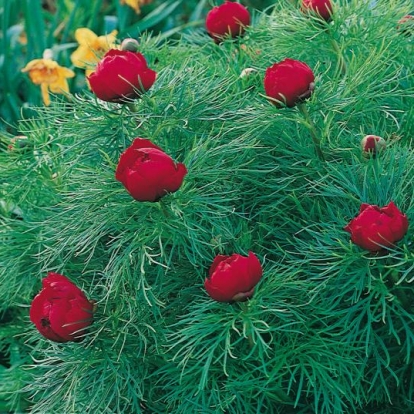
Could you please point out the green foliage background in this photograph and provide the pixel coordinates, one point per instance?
(330, 326)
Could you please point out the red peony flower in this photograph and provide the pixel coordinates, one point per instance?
(121, 75)
(375, 227)
(147, 172)
(372, 144)
(233, 278)
(322, 8)
(229, 19)
(289, 82)
(61, 311)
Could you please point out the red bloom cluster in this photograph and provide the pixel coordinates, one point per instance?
(233, 278)
(121, 75)
(322, 8)
(147, 172)
(376, 228)
(229, 19)
(289, 82)
(61, 311)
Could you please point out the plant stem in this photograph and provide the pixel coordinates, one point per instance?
(315, 138)
(282, 395)
(399, 292)
(341, 64)
(164, 209)
(245, 308)
(132, 106)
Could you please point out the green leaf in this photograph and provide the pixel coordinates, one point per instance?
(156, 16)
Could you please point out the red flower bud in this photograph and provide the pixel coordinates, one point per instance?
(375, 228)
(229, 19)
(289, 82)
(147, 172)
(372, 144)
(61, 311)
(322, 8)
(233, 278)
(406, 25)
(121, 75)
(18, 142)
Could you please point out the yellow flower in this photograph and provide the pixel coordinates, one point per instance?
(135, 4)
(91, 48)
(50, 76)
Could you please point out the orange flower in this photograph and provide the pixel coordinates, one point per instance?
(135, 4)
(91, 48)
(50, 76)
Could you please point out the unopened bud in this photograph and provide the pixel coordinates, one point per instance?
(18, 142)
(130, 44)
(406, 25)
(372, 144)
(48, 54)
(247, 72)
